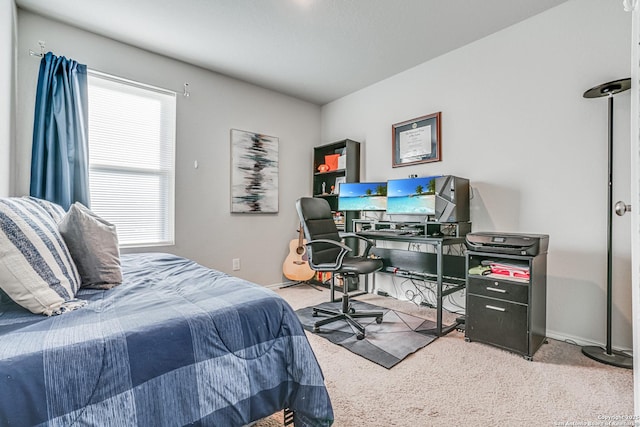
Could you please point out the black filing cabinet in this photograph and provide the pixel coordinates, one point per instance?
(507, 311)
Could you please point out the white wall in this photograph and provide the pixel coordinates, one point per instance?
(7, 87)
(515, 123)
(205, 229)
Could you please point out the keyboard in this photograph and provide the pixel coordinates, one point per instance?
(389, 232)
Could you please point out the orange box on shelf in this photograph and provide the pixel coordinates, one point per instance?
(331, 160)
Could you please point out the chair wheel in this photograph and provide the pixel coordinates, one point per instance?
(315, 330)
(314, 314)
(352, 310)
(360, 336)
(378, 320)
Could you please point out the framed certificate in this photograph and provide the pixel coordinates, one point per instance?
(416, 141)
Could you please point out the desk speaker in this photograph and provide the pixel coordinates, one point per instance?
(452, 199)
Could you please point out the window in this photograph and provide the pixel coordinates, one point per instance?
(131, 158)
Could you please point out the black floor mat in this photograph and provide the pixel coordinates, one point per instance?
(386, 344)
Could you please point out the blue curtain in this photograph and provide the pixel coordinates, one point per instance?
(60, 156)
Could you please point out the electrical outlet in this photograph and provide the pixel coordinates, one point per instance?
(236, 264)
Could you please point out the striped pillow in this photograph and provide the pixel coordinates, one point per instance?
(54, 210)
(36, 269)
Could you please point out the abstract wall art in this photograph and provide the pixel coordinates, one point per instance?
(254, 172)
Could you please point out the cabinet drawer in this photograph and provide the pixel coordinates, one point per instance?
(497, 322)
(502, 289)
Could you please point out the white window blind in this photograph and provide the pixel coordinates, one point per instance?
(131, 158)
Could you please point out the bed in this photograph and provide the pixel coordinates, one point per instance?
(175, 344)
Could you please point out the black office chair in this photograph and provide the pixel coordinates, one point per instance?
(327, 253)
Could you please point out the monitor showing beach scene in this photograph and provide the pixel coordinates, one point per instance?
(362, 196)
(412, 196)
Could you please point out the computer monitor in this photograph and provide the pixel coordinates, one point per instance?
(362, 196)
(412, 196)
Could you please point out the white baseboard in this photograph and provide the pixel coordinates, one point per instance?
(581, 342)
(277, 285)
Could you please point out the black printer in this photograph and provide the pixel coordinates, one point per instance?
(508, 243)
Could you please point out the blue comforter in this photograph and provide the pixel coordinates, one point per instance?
(176, 344)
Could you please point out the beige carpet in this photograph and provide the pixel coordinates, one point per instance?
(455, 383)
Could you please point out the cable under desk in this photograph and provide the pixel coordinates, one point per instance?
(443, 269)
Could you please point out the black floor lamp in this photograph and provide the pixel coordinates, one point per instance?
(608, 355)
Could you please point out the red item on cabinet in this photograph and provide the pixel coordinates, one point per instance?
(509, 270)
(331, 160)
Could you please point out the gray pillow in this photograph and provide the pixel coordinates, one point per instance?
(93, 244)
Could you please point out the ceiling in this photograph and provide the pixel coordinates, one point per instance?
(316, 50)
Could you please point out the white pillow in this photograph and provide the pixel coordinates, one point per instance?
(36, 268)
(93, 244)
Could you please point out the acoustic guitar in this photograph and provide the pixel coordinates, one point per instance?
(296, 264)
